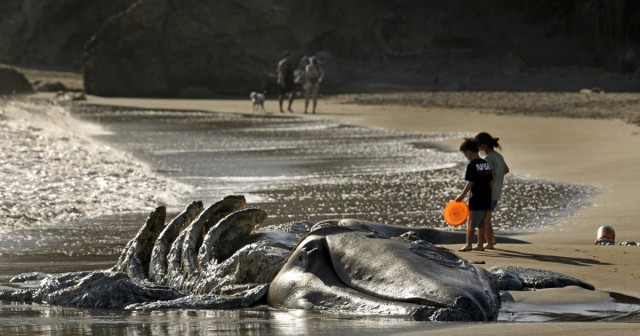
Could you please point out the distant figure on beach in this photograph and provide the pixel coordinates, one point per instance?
(285, 81)
(313, 74)
(480, 183)
(499, 169)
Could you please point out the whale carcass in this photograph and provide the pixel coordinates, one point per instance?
(221, 258)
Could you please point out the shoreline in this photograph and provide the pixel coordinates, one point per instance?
(559, 143)
(605, 148)
(596, 152)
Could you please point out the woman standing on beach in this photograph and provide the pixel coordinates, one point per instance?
(499, 168)
(314, 75)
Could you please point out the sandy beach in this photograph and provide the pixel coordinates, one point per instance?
(597, 152)
(84, 164)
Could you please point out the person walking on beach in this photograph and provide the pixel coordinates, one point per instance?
(285, 81)
(499, 168)
(313, 74)
(480, 183)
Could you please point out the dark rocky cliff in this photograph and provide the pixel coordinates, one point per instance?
(177, 47)
(51, 32)
(162, 47)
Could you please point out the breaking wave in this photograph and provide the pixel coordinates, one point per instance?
(52, 170)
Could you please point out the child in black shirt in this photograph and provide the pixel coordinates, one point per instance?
(480, 183)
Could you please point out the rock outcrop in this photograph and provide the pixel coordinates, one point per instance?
(190, 48)
(12, 82)
(51, 32)
(205, 48)
(163, 47)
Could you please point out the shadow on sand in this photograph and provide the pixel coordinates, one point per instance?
(498, 252)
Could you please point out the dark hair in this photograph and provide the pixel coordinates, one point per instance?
(469, 144)
(485, 138)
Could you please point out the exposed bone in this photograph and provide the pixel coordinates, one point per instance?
(254, 263)
(228, 235)
(181, 263)
(158, 264)
(136, 256)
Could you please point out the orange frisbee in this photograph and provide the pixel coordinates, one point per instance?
(455, 213)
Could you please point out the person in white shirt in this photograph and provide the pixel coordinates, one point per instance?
(499, 169)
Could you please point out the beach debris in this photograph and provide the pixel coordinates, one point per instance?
(533, 278)
(65, 96)
(606, 236)
(605, 242)
(46, 86)
(606, 232)
(591, 90)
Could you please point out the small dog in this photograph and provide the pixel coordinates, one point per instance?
(258, 101)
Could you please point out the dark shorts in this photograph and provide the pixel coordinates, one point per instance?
(286, 88)
(312, 86)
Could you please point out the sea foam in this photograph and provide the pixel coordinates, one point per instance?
(53, 170)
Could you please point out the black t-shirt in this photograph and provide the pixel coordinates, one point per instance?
(479, 172)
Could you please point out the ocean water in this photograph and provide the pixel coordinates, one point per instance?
(314, 169)
(79, 180)
(54, 171)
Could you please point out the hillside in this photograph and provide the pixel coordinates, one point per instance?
(177, 48)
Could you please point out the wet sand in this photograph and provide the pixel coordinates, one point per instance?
(560, 147)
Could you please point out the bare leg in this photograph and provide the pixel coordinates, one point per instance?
(480, 245)
(315, 98)
(306, 100)
(280, 100)
(470, 231)
(469, 240)
(488, 230)
(290, 102)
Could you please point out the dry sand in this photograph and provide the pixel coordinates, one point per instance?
(598, 152)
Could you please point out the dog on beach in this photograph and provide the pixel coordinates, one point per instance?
(257, 98)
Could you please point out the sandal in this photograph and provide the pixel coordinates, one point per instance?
(465, 249)
(478, 248)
